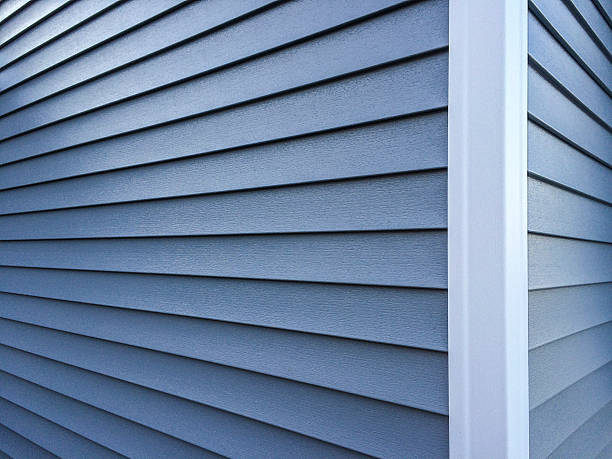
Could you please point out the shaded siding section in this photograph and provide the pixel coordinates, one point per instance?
(223, 229)
(570, 224)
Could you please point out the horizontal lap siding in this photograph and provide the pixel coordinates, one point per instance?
(223, 229)
(570, 224)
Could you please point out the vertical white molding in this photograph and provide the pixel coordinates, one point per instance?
(487, 237)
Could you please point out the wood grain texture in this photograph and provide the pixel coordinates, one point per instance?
(570, 220)
(394, 90)
(183, 33)
(409, 259)
(559, 262)
(398, 145)
(96, 54)
(373, 42)
(590, 438)
(412, 143)
(223, 228)
(556, 313)
(594, 21)
(408, 317)
(414, 201)
(25, 18)
(10, 7)
(411, 377)
(197, 424)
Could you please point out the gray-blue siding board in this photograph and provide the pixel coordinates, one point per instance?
(25, 18)
(326, 56)
(324, 414)
(189, 44)
(570, 221)
(116, 21)
(119, 433)
(392, 90)
(223, 229)
(10, 7)
(62, 21)
(409, 317)
(15, 445)
(54, 438)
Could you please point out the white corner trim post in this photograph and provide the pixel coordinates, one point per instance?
(487, 234)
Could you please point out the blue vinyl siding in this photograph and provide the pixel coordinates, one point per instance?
(223, 228)
(570, 224)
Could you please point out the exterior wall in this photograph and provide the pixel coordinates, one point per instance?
(570, 224)
(223, 229)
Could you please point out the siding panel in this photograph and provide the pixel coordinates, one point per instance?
(554, 421)
(397, 145)
(124, 436)
(324, 56)
(383, 92)
(54, 438)
(410, 317)
(409, 259)
(116, 21)
(415, 201)
(379, 430)
(556, 313)
(26, 17)
(223, 228)
(557, 212)
(556, 161)
(377, 370)
(61, 22)
(274, 28)
(569, 220)
(15, 445)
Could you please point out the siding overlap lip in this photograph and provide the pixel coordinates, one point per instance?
(587, 27)
(422, 108)
(214, 151)
(553, 421)
(558, 184)
(548, 76)
(563, 41)
(271, 4)
(435, 51)
(546, 126)
(15, 11)
(59, 35)
(59, 426)
(32, 24)
(439, 289)
(276, 186)
(95, 408)
(315, 333)
(101, 43)
(252, 416)
(27, 440)
(436, 363)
